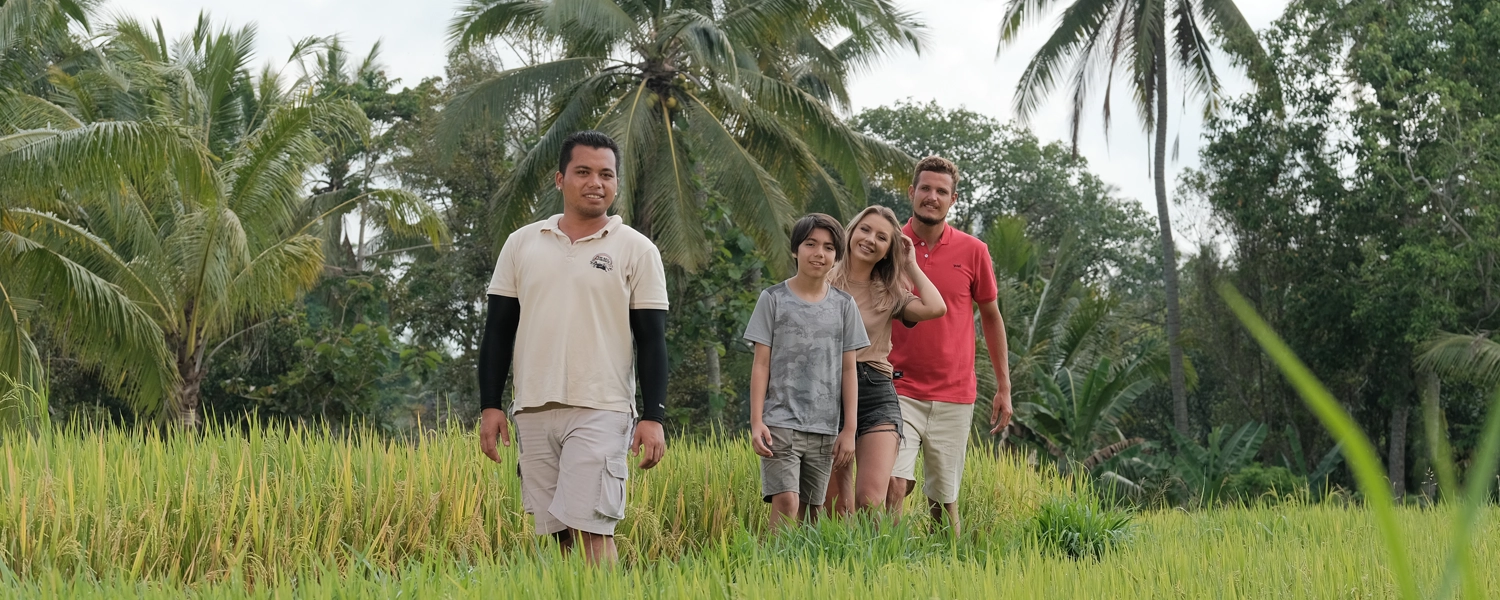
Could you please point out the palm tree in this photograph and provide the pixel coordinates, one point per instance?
(1094, 39)
(205, 256)
(730, 96)
(1472, 357)
(57, 274)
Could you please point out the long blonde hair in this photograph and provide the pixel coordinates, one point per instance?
(888, 280)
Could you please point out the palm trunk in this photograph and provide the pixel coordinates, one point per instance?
(1169, 249)
(188, 394)
(715, 376)
(1437, 438)
(1396, 457)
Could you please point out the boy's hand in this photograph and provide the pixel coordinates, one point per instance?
(760, 439)
(843, 449)
(493, 425)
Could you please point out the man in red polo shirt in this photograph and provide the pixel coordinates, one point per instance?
(935, 361)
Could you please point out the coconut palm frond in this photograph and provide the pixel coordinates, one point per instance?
(1474, 357)
(490, 101)
(101, 325)
(479, 21)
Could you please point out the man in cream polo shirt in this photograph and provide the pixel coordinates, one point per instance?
(578, 305)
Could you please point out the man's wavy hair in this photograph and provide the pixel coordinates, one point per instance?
(936, 164)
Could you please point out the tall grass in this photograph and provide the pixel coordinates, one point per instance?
(261, 504)
(1313, 552)
(1370, 475)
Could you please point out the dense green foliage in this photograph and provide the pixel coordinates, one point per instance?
(1363, 223)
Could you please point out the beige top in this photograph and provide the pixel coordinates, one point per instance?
(877, 324)
(573, 345)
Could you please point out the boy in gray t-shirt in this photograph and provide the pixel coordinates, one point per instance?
(802, 384)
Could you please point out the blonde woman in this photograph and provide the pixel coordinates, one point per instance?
(880, 271)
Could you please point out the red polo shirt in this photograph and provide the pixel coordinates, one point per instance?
(936, 358)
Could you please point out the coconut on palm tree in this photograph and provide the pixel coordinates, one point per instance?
(203, 253)
(1095, 40)
(734, 97)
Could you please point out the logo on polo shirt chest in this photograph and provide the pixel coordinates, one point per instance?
(602, 262)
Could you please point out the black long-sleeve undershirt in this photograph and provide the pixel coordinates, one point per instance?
(497, 351)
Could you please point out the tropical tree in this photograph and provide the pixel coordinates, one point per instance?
(34, 34)
(204, 256)
(733, 97)
(1076, 413)
(56, 274)
(1473, 357)
(1096, 38)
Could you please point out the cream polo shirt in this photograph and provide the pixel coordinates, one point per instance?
(574, 346)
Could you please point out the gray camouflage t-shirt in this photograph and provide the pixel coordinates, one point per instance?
(807, 342)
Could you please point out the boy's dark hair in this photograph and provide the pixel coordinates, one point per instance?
(805, 226)
(590, 138)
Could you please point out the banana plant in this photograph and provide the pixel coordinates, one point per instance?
(1076, 414)
(1203, 468)
(1317, 477)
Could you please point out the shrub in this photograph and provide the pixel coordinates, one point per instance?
(1257, 483)
(1079, 527)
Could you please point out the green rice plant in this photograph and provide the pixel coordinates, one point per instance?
(21, 407)
(263, 502)
(1079, 527)
(1302, 552)
(1369, 474)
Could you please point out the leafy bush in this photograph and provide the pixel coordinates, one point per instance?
(1257, 483)
(1079, 527)
(1204, 469)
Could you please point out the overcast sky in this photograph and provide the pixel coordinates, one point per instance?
(958, 67)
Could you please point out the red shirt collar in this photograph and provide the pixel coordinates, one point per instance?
(942, 239)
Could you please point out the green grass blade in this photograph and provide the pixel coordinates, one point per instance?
(1358, 450)
(1476, 494)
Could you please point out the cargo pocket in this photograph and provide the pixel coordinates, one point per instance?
(612, 488)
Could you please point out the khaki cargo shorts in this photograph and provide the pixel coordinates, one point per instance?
(800, 462)
(573, 469)
(939, 431)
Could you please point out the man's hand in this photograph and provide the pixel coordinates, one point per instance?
(1000, 411)
(649, 443)
(843, 449)
(493, 425)
(760, 439)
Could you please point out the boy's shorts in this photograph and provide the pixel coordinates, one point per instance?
(800, 462)
(573, 469)
(939, 431)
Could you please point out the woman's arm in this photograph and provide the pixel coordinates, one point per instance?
(929, 303)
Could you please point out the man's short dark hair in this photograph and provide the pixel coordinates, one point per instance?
(805, 226)
(590, 138)
(936, 164)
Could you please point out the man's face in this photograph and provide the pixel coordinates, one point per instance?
(931, 197)
(816, 254)
(589, 183)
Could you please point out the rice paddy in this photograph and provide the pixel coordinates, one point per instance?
(263, 512)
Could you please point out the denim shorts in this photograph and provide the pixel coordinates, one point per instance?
(878, 404)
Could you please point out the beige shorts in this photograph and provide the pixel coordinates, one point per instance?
(573, 469)
(939, 431)
(800, 462)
